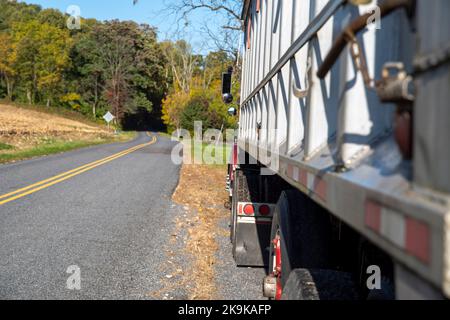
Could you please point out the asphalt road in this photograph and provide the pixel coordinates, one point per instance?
(109, 221)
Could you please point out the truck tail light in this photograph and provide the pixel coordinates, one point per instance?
(249, 210)
(264, 210)
(256, 210)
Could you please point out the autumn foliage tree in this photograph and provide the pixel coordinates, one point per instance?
(114, 65)
(7, 61)
(42, 56)
(197, 95)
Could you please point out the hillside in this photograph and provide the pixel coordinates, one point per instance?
(27, 132)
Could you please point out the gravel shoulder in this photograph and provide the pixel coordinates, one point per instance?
(235, 283)
(199, 264)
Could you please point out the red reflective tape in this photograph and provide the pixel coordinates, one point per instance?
(418, 239)
(240, 209)
(373, 216)
(320, 188)
(304, 177)
(290, 171)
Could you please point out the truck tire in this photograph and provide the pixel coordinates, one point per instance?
(307, 284)
(303, 231)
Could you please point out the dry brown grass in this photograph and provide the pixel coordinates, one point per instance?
(201, 189)
(24, 128)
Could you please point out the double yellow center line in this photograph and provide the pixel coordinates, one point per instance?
(20, 193)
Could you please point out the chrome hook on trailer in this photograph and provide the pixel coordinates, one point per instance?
(358, 58)
(299, 93)
(349, 35)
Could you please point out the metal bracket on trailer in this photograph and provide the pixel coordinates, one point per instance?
(299, 93)
(354, 28)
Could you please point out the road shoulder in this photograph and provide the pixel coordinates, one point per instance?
(200, 265)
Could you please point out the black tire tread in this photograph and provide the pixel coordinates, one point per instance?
(305, 234)
(310, 284)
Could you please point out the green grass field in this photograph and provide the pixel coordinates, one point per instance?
(4, 146)
(206, 153)
(210, 154)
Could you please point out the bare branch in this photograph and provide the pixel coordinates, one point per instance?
(227, 11)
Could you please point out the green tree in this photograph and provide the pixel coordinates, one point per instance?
(7, 62)
(13, 11)
(88, 72)
(113, 65)
(205, 85)
(130, 64)
(52, 17)
(42, 56)
(197, 109)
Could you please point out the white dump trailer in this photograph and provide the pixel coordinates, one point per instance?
(340, 181)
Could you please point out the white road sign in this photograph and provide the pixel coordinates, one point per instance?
(108, 117)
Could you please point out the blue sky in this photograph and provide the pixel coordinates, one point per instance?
(146, 11)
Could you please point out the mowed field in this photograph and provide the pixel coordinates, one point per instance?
(27, 132)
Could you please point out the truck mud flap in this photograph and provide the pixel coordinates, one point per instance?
(252, 246)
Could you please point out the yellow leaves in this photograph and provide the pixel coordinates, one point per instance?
(72, 100)
(76, 107)
(7, 54)
(172, 107)
(42, 53)
(48, 80)
(70, 97)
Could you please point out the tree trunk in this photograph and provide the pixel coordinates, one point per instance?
(9, 91)
(34, 90)
(94, 107)
(8, 87)
(29, 96)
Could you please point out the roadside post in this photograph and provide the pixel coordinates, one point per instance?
(108, 117)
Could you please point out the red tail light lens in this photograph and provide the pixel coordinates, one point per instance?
(249, 210)
(264, 210)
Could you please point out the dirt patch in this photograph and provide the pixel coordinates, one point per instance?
(23, 128)
(202, 195)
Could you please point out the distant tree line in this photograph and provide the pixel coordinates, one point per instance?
(116, 66)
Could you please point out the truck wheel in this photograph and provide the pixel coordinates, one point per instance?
(301, 234)
(307, 284)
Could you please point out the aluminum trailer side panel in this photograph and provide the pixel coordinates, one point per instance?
(432, 157)
(341, 123)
